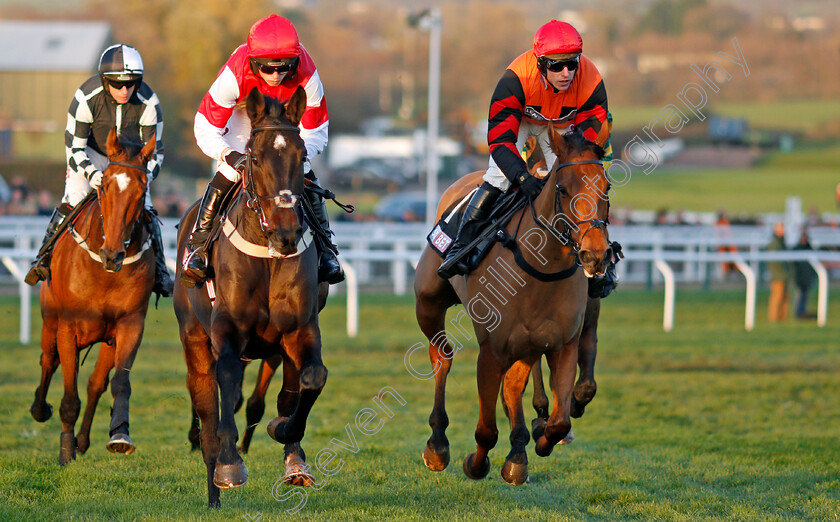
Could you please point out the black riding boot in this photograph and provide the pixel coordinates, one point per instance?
(477, 210)
(329, 269)
(40, 269)
(163, 282)
(195, 265)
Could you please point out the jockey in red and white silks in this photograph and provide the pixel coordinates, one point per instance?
(274, 62)
(220, 126)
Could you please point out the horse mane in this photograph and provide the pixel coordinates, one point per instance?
(131, 147)
(576, 140)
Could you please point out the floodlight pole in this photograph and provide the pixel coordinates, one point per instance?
(431, 20)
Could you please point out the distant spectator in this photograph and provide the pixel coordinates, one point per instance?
(804, 277)
(20, 203)
(779, 277)
(724, 233)
(45, 203)
(814, 219)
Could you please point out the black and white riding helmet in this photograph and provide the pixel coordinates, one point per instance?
(121, 63)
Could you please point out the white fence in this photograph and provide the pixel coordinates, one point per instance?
(386, 253)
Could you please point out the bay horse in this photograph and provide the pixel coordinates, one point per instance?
(266, 301)
(585, 387)
(543, 314)
(102, 275)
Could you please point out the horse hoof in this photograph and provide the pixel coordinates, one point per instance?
(227, 476)
(515, 473)
(67, 448)
(543, 447)
(82, 444)
(41, 412)
(435, 460)
(120, 443)
(537, 428)
(569, 438)
(481, 473)
(299, 474)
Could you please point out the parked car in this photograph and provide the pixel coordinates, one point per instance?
(373, 174)
(402, 207)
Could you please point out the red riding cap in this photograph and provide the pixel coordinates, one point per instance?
(273, 37)
(557, 37)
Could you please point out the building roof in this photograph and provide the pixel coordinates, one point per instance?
(29, 45)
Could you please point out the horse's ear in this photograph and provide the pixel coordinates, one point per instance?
(113, 146)
(148, 148)
(255, 104)
(296, 106)
(557, 142)
(604, 135)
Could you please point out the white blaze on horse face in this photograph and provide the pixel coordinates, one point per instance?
(279, 142)
(122, 180)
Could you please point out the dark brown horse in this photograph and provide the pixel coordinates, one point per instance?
(266, 301)
(539, 307)
(101, 279)
(254, 407)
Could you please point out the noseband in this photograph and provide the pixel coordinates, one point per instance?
(285, 199)
(127, 241)
(566, 234)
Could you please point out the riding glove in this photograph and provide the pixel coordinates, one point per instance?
(96, 179)
(530, 185)
(236, 160)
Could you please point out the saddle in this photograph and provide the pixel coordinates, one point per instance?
(446, 229)
(493, 230)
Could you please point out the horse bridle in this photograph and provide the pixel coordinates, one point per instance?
(284, 199)
(131, 166)
(566, 234)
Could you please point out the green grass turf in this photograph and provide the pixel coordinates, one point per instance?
(791, 115)
(810, 174)
(706, 422)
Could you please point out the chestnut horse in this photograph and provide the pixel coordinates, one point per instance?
(543, 308)
(266, 300)
(101, 279)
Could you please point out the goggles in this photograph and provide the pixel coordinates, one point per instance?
(559, 65)
(119, 85)
(282, 65)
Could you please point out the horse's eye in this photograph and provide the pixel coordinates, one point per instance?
(562, 190)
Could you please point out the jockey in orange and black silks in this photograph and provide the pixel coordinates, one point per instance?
(551, 83)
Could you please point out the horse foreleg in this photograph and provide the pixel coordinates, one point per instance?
(303, 349)
(434, 297)
(489, 375)
(230, 470)
(201, 382)
(255, 408)
(127, 339)
(41, 410)
(585, 388)
(70, 403)
(562, 365)
(540, 401)
(515, 469)
(97, 384)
